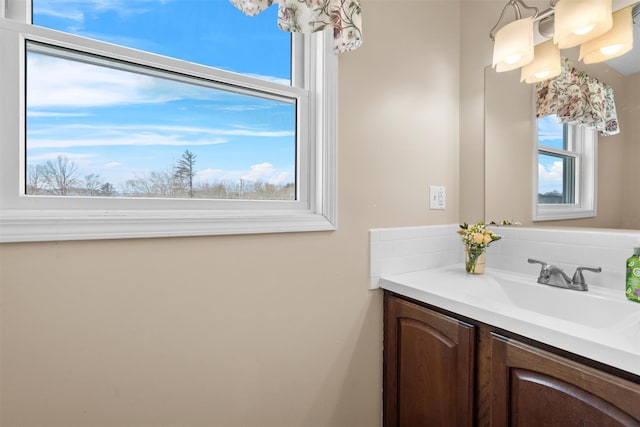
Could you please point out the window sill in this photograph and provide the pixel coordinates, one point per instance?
(551, 214)
(33, 226)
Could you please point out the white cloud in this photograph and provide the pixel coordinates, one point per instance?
(263, 172)
(60, 11)
(112, 165)
(75, 10)
(549, 128)
(55, 82)
(272, 79)
(125, 140)
(267, 173)
(550, 177)
(141, 135)
(75, 157)
(208, 175)
(223, 132)
(242, 108)
(54, 114)
(58, 82)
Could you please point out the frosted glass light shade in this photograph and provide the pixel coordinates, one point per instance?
(545, 64)
(513, 46)
(577, 21)
(615, 42)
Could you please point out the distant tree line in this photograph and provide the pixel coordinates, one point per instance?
(61, 177)
(551, 197)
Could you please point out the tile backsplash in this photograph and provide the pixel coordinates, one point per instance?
(402, 250)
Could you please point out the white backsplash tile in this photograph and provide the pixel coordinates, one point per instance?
(402, 250)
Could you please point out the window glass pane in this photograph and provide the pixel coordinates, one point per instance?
(552, 133)
(103, 131)
(208, 32)
(556, 182)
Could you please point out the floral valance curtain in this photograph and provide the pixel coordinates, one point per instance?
(577, 98)
(308, 16)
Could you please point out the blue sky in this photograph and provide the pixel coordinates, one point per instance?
(550, 134)
(121, 124)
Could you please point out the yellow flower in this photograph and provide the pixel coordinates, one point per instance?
(477, 236)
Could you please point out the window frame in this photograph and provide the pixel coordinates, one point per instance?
(582, 145)
(44, 218)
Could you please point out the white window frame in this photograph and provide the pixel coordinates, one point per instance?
(583, 141)
(43, 218)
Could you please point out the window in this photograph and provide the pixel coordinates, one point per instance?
(109, 129)
(565, 172)
(207, 141)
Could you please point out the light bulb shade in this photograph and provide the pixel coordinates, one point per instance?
(545, 64)
(513, 45)
(577, 21)
(615, 42)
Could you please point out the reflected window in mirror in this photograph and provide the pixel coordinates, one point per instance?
(565, 173)
(557, 155)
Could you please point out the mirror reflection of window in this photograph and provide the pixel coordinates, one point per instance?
(566, 173)
(556, 162)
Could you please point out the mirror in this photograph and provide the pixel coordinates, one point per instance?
(510, 154)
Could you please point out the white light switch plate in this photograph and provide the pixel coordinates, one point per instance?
(437, 197)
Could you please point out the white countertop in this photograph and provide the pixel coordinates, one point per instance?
(489, 299)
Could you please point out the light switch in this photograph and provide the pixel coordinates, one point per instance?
(437, 197)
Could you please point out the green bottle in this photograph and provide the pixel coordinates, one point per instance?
(633, 276)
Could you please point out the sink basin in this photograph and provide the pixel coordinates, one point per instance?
(589, 308)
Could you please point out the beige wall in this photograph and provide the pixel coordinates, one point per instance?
(629, 188)
(269, 330)
(477, 17)
(509, 124)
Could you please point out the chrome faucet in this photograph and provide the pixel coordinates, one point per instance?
(555, 276)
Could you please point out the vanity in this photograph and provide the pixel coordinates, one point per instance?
(499, 349)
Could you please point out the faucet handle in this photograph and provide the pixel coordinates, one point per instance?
(578, 278)
(544, 265)
(544, 270)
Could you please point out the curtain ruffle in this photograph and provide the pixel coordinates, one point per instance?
(308, 16)
(577, 98)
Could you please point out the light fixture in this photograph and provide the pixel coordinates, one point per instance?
(577, 21)
(570, 23)
(513, 45)
(545, 65)
(615, 42)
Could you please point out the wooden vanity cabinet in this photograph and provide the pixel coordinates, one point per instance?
(440, 370)
(532, 387)
(428, 367)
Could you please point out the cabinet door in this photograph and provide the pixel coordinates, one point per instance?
(429, 368)
(532, 387)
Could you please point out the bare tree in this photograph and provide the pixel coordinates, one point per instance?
(93, 183)
(60, 175)
(185, 171)
(35, 178)
(153, 184)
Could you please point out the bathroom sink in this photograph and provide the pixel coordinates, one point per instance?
(600, 324)
(592, 308)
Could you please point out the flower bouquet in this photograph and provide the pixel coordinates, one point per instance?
(476, 238)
